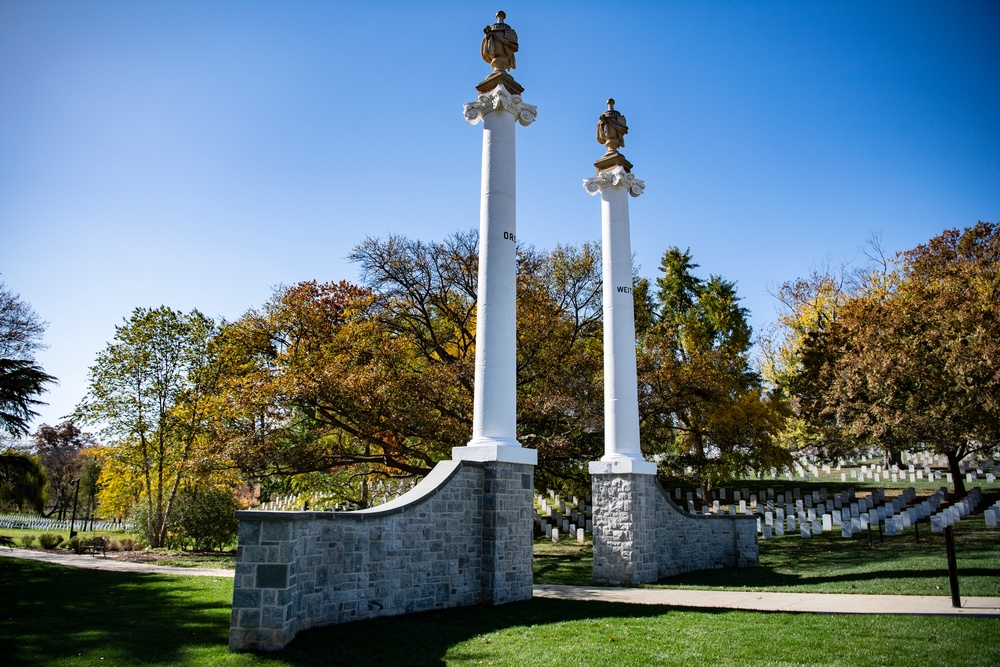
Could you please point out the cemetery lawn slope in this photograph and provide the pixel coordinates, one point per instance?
(54, 615)
(566, 563)
(825, 563)
(831, 564)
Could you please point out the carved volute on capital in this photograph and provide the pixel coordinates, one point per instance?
(614, 177)
(500, 98)
(500, 45)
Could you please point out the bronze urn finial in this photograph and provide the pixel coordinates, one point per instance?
(500, 44)
(611, 129)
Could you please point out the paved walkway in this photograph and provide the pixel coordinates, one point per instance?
(110, 564)
(828, 603)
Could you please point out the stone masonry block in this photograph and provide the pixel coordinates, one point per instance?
(319, 568)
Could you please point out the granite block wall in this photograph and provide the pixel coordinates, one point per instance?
(640, 535)
(461, 537)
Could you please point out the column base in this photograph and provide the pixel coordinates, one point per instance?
(622, 467)
(501, 451)
(625, 528)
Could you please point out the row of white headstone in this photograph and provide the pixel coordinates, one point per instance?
(851, 518)
(908, 516)
(992, 515)
(912, 476)
(952, 514)
(747, 496)
(802, 501)
(42, 523)
(560, 517)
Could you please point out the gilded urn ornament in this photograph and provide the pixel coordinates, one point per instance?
(500, 45)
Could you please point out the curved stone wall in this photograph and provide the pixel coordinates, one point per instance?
(460, 537)
(641, 536)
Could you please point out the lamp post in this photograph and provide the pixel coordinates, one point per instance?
(76, 494)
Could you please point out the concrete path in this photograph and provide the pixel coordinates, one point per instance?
(825, 603)
(111, 565)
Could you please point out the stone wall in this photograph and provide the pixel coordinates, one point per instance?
(640, 535)
(461, 537)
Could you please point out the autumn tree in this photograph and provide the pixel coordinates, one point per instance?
(22, 481)
(312, 382)
(791, 358)
(915, 361)
(703, 408)
(375, 381)
(560, 401)
(148, 395)
(60, 451)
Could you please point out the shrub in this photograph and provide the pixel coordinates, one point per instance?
(27, 540)
(205, 517)
(76, 544)
(127, 544)
(113, 545)
(50, 540)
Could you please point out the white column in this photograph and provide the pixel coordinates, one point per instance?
(494, 428)
(622, 452)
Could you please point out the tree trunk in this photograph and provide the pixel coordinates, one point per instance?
(893, 457)
(956, 473)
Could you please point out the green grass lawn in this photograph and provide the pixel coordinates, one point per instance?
(826, 563)
(167, 557)
(53, 615)
(18, 533)
(831, 564)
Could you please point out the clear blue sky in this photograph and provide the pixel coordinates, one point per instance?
(198, 153)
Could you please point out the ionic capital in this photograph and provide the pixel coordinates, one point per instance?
(615, 177)
(500, 98)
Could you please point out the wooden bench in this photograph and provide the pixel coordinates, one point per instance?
(98, 544)
(7, 542)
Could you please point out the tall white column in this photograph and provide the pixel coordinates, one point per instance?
(494, 430)
(615, 182)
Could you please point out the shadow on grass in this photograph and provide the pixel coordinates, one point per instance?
(765, 577)
(896, 565)
(578, 571)
(51, 614)
(437, 638)
(59, 616)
